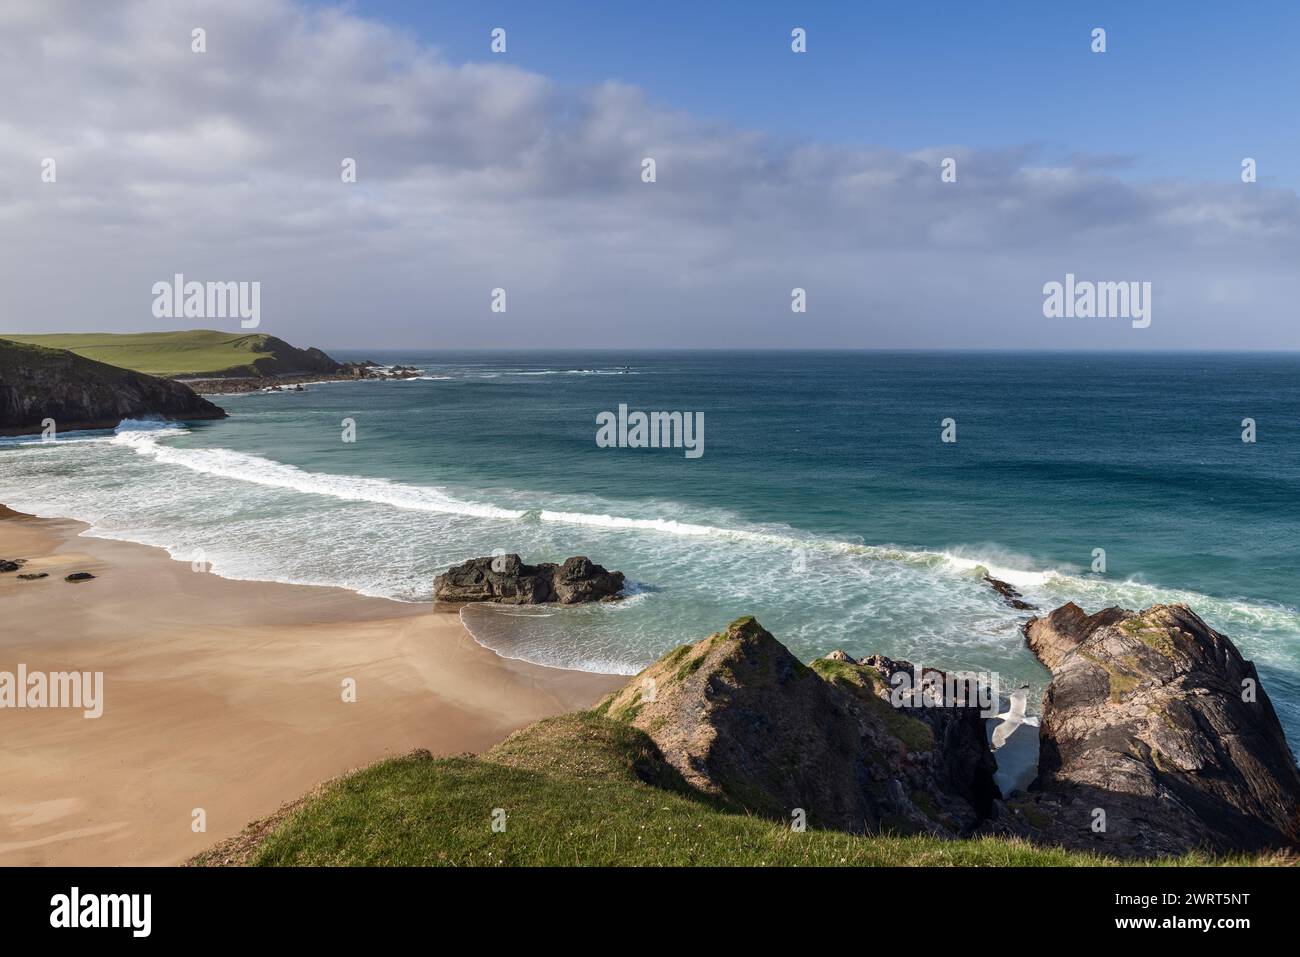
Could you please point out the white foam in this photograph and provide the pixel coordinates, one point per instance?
(243, 467)
(935, 596)
(791, 541)
(1020, 577)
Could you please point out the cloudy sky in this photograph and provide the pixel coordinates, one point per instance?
(522, 170)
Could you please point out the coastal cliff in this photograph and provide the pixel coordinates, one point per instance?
(1156, 737)
(732, 751)
(214, 362)
(742, 718)
(37, 383)
(189, 353)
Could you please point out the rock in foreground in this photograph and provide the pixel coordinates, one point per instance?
(1156, 738)
(507, 580)
(744, 720)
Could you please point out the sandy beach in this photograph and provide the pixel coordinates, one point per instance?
(221, 695)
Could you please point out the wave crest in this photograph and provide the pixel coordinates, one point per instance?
(243, 467)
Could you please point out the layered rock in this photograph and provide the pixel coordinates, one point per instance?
(37, 383)
(1156, 738)
(507, 580)
(744, 720)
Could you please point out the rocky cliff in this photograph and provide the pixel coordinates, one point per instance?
(507, 580)
(744, 720)
(275, 357)
(37, 383)
(1156, 738)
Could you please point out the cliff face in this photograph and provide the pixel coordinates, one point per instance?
(744, 720)
(1156, 738)
(283, 359)
(37, 383)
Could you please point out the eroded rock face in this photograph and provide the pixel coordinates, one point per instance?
(744, 720)
(37, 384)
(1156, 721)
(507, 580)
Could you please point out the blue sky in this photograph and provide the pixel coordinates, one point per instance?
(776, 171)
(1185, 89)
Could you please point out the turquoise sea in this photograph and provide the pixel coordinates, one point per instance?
(824, 503)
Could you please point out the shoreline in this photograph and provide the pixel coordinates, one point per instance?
(224, 695)
(293, 381)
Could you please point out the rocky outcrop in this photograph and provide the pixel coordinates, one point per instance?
(1008, 593)
(743, 720)
(507, 580)
(275, 357)
(1156, 738)
(37, 383)
(294, 382)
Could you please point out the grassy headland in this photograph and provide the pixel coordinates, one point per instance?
(195, 352)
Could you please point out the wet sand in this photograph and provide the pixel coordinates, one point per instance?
(222, 695)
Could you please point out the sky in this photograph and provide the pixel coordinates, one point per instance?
(775, 170)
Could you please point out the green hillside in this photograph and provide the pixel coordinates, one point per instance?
(39, 384)
(577, 790)
(197, 352)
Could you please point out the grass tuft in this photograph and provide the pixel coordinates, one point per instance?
(579, 790)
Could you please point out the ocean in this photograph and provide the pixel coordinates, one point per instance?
(825, 502)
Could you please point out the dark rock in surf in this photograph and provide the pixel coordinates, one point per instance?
(1009, 594)
(507, 580)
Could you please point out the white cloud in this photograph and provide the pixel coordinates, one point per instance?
(226, 165)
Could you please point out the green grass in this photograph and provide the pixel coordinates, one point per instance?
(182, 353)
(17, 356)
(577, 790)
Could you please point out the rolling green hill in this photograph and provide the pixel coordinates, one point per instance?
(196, 352)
